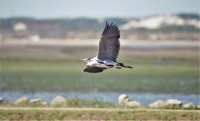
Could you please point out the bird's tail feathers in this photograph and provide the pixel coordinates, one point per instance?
(122, 65)
(128, 67)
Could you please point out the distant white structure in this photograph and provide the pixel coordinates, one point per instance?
(34, 38)
(101, 20)
(20, 27)
(155, 22)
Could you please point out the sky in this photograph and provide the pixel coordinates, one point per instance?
(95, 8)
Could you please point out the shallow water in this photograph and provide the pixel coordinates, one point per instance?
(143, 98)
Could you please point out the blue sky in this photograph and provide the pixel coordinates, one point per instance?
(95, 8)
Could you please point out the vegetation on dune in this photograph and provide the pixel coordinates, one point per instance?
(92, 27)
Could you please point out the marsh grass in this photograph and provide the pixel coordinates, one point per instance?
(94, 114)
(55, 68)
(31, 76)
(88, 103)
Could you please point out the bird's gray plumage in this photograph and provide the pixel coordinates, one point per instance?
(109, 44)
(108, 51)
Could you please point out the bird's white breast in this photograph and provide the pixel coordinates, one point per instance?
(94, 63)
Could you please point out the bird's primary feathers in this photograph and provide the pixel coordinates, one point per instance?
(109, 46)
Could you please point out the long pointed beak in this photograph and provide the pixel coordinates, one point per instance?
(80, 59)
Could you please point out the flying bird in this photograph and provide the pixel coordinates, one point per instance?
(109, 46)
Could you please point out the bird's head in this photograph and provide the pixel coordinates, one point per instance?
(85, 60)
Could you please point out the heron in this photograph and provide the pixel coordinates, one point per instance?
(108, 51)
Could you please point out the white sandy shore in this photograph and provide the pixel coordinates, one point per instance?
(94, 42)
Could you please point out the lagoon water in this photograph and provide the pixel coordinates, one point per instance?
(143, 98)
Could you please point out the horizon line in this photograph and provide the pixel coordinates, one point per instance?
(93, 17)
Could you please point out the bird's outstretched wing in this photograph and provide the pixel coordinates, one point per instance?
(109, 44)
(90, 69)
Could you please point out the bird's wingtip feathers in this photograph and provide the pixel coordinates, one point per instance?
(110, 27)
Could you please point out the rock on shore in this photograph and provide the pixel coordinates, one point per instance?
(125, 101)
(58, 101)
(38, 101)
(1, 100)
(21, 101)
(189, 106)
(159, 104)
